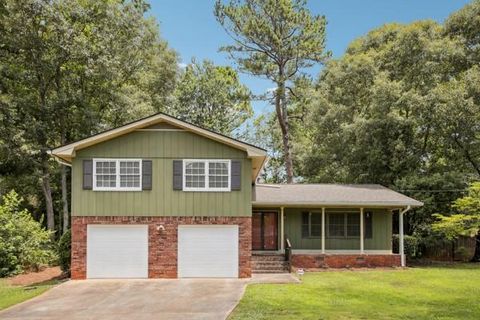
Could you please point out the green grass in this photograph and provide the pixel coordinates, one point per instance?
(416, 293)
(10, 295)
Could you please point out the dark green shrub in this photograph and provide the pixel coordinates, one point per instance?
(24, 243)
(64, 251)
(412, 244)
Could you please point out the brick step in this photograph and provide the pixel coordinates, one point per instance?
(269, 263)
(268, 257)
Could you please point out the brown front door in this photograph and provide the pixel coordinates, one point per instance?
(264, 231)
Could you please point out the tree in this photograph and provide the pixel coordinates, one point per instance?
(401, 108)
(274, 39)
(71, 68)
(212, 97)
(24, 243)
(466, 219)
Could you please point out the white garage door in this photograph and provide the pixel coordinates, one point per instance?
(208, 251)
(117, 251)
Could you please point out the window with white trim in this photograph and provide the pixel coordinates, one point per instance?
(117, 174)
(206, 175)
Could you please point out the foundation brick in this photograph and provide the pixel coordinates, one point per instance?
(316, 261)
(162, 246)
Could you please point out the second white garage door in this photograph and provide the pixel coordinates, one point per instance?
(117, 251)
(208, 251)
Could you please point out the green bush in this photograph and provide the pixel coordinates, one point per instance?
(64, 249)
(412, 243)
(24, 243)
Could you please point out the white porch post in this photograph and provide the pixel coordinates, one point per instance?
(323, 230)
(401, 245)
(282, 235)
(362, 229)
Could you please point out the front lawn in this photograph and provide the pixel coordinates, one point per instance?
(416, 293)
(10, 295)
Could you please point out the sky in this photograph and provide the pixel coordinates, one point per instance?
(190, 27)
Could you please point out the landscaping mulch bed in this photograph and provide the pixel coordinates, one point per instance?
(46, 274)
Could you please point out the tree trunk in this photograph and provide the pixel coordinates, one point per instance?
(282, 116)
(47, 192)
(476, 256)
(66, 216)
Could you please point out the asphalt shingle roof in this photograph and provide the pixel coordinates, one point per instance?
(330, 195)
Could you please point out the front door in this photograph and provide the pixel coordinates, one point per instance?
(264, 231)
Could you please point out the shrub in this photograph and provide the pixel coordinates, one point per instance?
(24, 243)
(64, 249)
(412, 250)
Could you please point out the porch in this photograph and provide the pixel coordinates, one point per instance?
(318, 228)
(327, 237)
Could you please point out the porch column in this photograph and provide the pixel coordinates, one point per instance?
(362, 229)
(323, 230)
(400, 244)
(282, 236)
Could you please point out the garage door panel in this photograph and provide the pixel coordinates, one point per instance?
(208, 251)
(117, 251)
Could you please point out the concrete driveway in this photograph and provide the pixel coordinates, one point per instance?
(133, 299)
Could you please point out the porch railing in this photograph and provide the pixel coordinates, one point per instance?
(288, 254)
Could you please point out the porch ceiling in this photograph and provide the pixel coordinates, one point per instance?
(331, 195)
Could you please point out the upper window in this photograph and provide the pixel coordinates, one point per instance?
(117, 174)
(206, 175)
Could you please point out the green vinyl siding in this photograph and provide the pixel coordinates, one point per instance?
(162, 147)
(381, 232)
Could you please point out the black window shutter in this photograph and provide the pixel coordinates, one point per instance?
(146, 174)
(236, 182)
(87, 174)
(177, 175)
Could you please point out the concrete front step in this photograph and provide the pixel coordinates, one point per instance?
(270, 271)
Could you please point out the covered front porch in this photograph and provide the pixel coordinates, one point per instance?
(329, 232)
(314, 235)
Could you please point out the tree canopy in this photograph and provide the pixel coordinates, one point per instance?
(212, 97)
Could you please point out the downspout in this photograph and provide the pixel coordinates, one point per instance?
(401, 240)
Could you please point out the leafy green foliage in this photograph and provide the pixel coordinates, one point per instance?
(65, 250)
(24, 244)
(465, 221)
(411, 246)
(212, 97)
(71, 68)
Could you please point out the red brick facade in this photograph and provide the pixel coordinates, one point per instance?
(315, 261)
(162, 245)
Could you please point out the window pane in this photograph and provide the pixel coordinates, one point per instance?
(336, 225)
(305, 226)
(316, 230)
(353, 224)
(368, 224)
(218, 175)
(129, 181)
(105, 174)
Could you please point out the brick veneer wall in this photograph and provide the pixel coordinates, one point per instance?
(315, 261)
(162, 245)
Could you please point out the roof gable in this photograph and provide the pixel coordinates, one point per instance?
(161, 121)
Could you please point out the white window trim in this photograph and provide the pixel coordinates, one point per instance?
(207, 188)
(117, 173)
